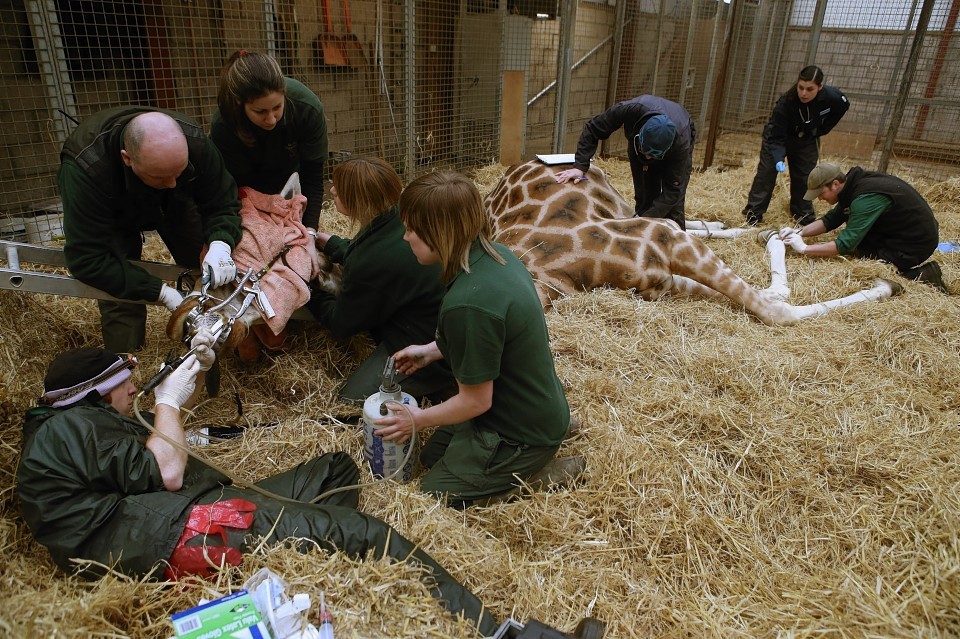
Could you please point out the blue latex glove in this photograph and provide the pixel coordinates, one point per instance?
(781, 166)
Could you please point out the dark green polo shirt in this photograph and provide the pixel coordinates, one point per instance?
(492, 327)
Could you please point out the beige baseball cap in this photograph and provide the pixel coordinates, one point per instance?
(820, 176)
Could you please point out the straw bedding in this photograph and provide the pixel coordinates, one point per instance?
(742, 480)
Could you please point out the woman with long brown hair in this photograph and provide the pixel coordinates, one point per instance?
(510, 414)
(268, 126)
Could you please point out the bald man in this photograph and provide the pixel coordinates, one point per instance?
(131, 169)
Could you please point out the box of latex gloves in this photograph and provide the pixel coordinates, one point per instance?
(232, 617)
(262, 610)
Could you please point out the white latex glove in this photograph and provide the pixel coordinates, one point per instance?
(795, 242)
(170, 297)
(786, 232)
(203, 342)
(218, 258)
(179, 385)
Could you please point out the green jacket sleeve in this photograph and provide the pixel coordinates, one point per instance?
(313, 155)
(232, 150)
(336, 249)
(215, 192)
(88, 227)
(864, 211)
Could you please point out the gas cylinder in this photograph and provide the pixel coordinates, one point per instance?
(386, 459)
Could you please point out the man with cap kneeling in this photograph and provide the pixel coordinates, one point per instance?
(660, 136)
(95, 484)
(886, 219)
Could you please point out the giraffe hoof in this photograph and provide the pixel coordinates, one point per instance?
(895, 287)
(764, 236)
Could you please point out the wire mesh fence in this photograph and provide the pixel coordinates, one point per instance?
(441, 83)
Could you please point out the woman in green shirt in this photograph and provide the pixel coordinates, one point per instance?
(384, 291)
(267, 127)
(510, 413)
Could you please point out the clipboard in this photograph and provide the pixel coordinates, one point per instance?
(557, 158)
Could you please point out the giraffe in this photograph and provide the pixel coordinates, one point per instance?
(575, 237)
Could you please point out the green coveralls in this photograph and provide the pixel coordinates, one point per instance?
(388, 293)
(89, 488)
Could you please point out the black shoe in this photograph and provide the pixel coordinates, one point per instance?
(225, 432)
(803, 220)
(931, 274)
(753, 218)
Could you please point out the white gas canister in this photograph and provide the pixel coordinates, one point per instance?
(385, 458)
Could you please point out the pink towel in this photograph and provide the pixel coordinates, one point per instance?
(269, 224)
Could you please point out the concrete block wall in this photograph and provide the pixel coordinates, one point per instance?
(861, 64)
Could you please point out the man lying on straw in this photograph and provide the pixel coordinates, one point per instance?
(94, 483)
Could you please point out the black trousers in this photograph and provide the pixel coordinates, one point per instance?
(802, 156)
(903, 257)
(648, 185)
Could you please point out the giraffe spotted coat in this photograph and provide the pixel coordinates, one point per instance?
(576, 237)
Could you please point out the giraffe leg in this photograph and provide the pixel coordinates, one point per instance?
(779, 288)
(686, 286)
(722, 234)
(700, 225)
(881, 289)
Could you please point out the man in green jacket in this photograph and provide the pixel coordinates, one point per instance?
(884, 218)
(127, 170)
(155, 506)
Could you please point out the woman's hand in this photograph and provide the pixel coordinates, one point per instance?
(400, 424)
(311, 246)
(570, 174)
(412, 358)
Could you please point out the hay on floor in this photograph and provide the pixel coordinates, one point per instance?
(742, 480)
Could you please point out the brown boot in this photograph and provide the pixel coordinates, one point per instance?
(573, 428)
(558, 473)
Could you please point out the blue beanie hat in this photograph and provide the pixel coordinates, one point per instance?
(655, 137)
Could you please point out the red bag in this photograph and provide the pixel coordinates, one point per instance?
(211, 520)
